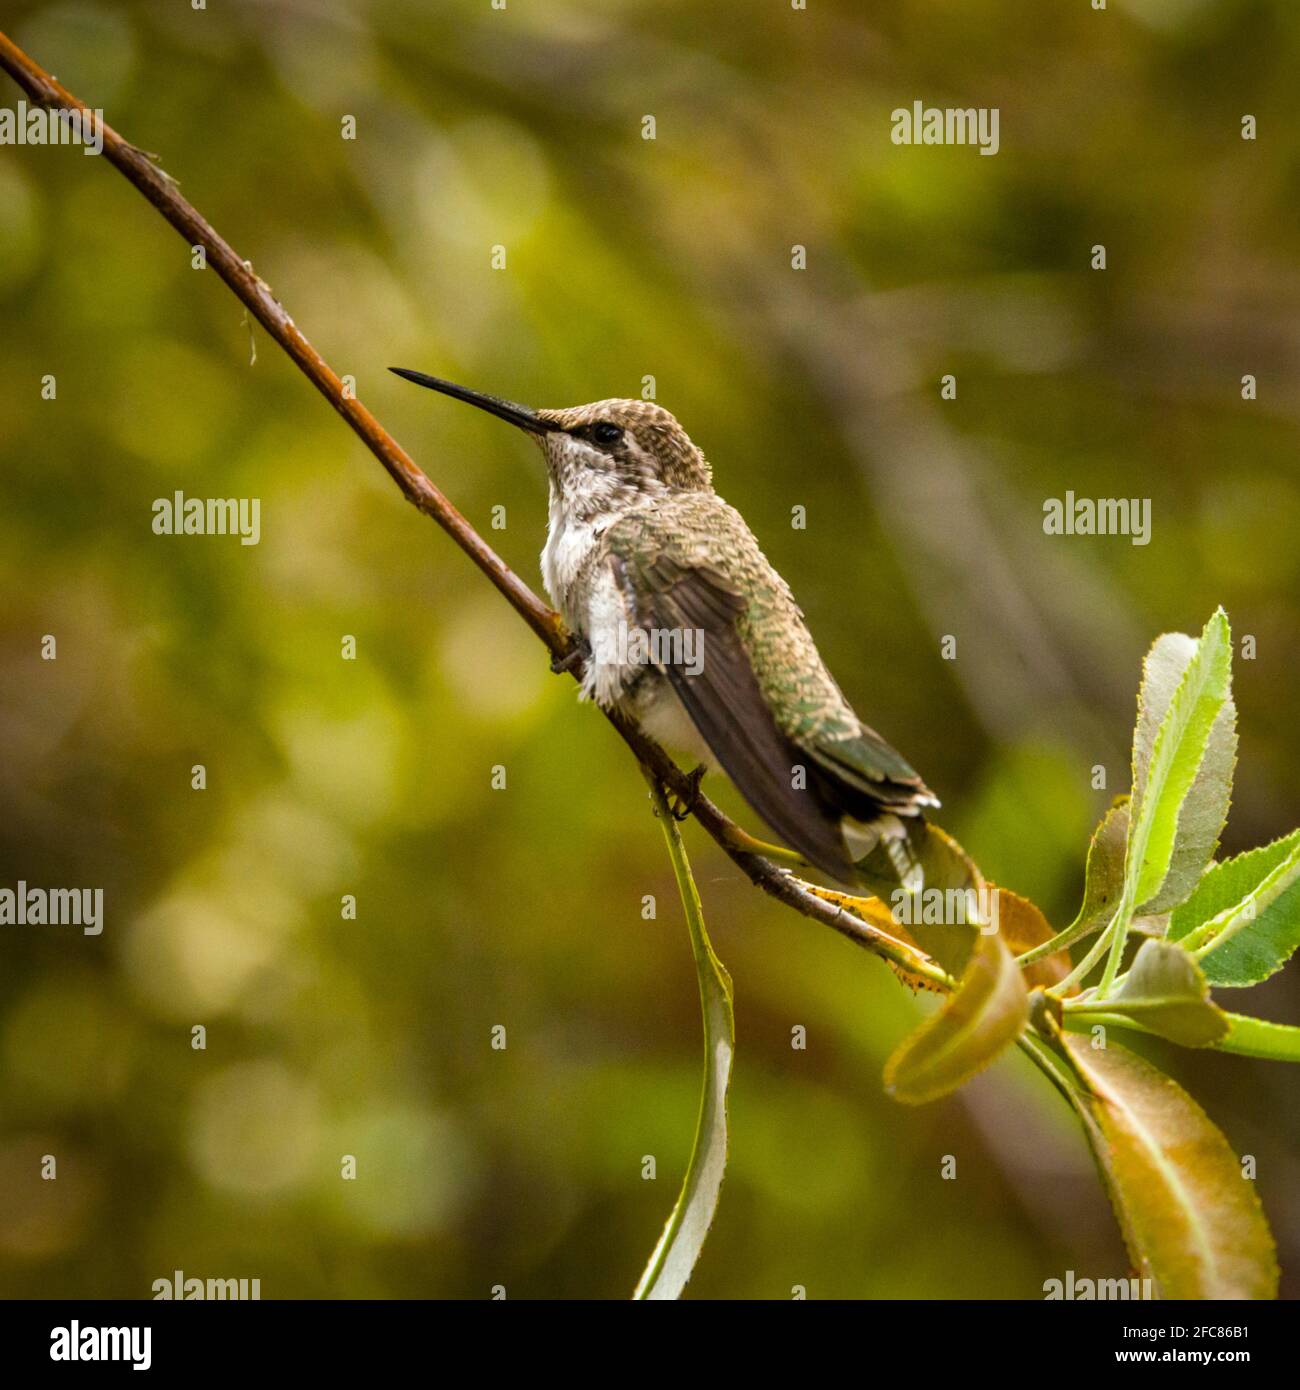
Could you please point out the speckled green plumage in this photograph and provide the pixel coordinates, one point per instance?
(699, 531)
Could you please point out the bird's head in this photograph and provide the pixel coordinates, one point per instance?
(603, 456)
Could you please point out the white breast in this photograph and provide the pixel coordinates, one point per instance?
(604, 621)
(568, 543)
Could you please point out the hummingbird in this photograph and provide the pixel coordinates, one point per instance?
(685, 626)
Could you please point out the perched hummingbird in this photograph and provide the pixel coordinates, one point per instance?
(638, 541)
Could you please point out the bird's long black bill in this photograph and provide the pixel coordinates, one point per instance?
(504, 410)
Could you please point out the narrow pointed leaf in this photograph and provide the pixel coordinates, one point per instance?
(1253, 1037)
(1166, 992)
(1258, 941)
(1103, 883)
(1192, 1222)
(1205, 809)
(1202, 815)
(1243, 921)
(683, 1237)
(986, 1014)
(1228, 884)
(1103, 878)
(1165, 775)
(1163, 669)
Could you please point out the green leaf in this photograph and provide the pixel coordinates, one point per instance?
(1202, 815)
(1243, 921)
(1192, 1222)
(1165, 991)
(1163, 669)
(1103, 877)
(987, 1012)
(1155, 925)
(1103, 884)
(1166, 767)
(683, 1237)
(1228, 883)
(1253, 1037)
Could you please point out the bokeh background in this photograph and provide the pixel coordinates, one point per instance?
(625, 258)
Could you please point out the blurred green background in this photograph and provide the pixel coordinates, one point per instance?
(625, 258)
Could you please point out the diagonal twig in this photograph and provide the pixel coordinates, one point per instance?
(145, 173)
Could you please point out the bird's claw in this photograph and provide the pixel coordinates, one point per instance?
(681, 807)
(574, 659)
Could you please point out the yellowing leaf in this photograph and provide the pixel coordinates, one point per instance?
(986, 1013)
(875, 914)
(1192, 1222)
(945, 913)
(1022, 926)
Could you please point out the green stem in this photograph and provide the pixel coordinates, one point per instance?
(678, 1248)
(1253, 1037)
(1063, 938)
(751, 844)
(1084, 967)
(1119, 929)
(1081, 1018)
(1047, 1062)
(1246, 1037)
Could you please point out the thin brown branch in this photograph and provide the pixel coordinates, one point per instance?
(161, 190)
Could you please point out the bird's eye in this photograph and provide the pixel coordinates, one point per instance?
(605, 433)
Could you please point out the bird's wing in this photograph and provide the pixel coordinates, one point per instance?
(726, 704)
(759, 657)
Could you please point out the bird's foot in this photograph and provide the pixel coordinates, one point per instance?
(682, 806)
(574, 659)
